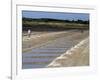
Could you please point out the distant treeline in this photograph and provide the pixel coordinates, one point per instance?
(43, 24)
(57, 20)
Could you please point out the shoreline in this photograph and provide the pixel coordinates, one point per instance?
(76, 56)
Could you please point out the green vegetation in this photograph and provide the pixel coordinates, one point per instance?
(53, 24)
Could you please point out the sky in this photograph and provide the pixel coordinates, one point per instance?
(55, 15)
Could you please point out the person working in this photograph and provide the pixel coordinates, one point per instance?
(29, 33)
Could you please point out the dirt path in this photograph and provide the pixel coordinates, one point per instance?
(37, 40)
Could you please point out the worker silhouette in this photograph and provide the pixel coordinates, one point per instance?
(29, 33)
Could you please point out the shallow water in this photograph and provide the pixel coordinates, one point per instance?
(47, 50)
(38, 58)
(46, 53)
(41, 54)
(33, 66)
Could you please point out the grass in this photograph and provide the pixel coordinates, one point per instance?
(42, 25)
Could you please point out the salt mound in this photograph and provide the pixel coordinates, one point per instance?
(76, 56)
